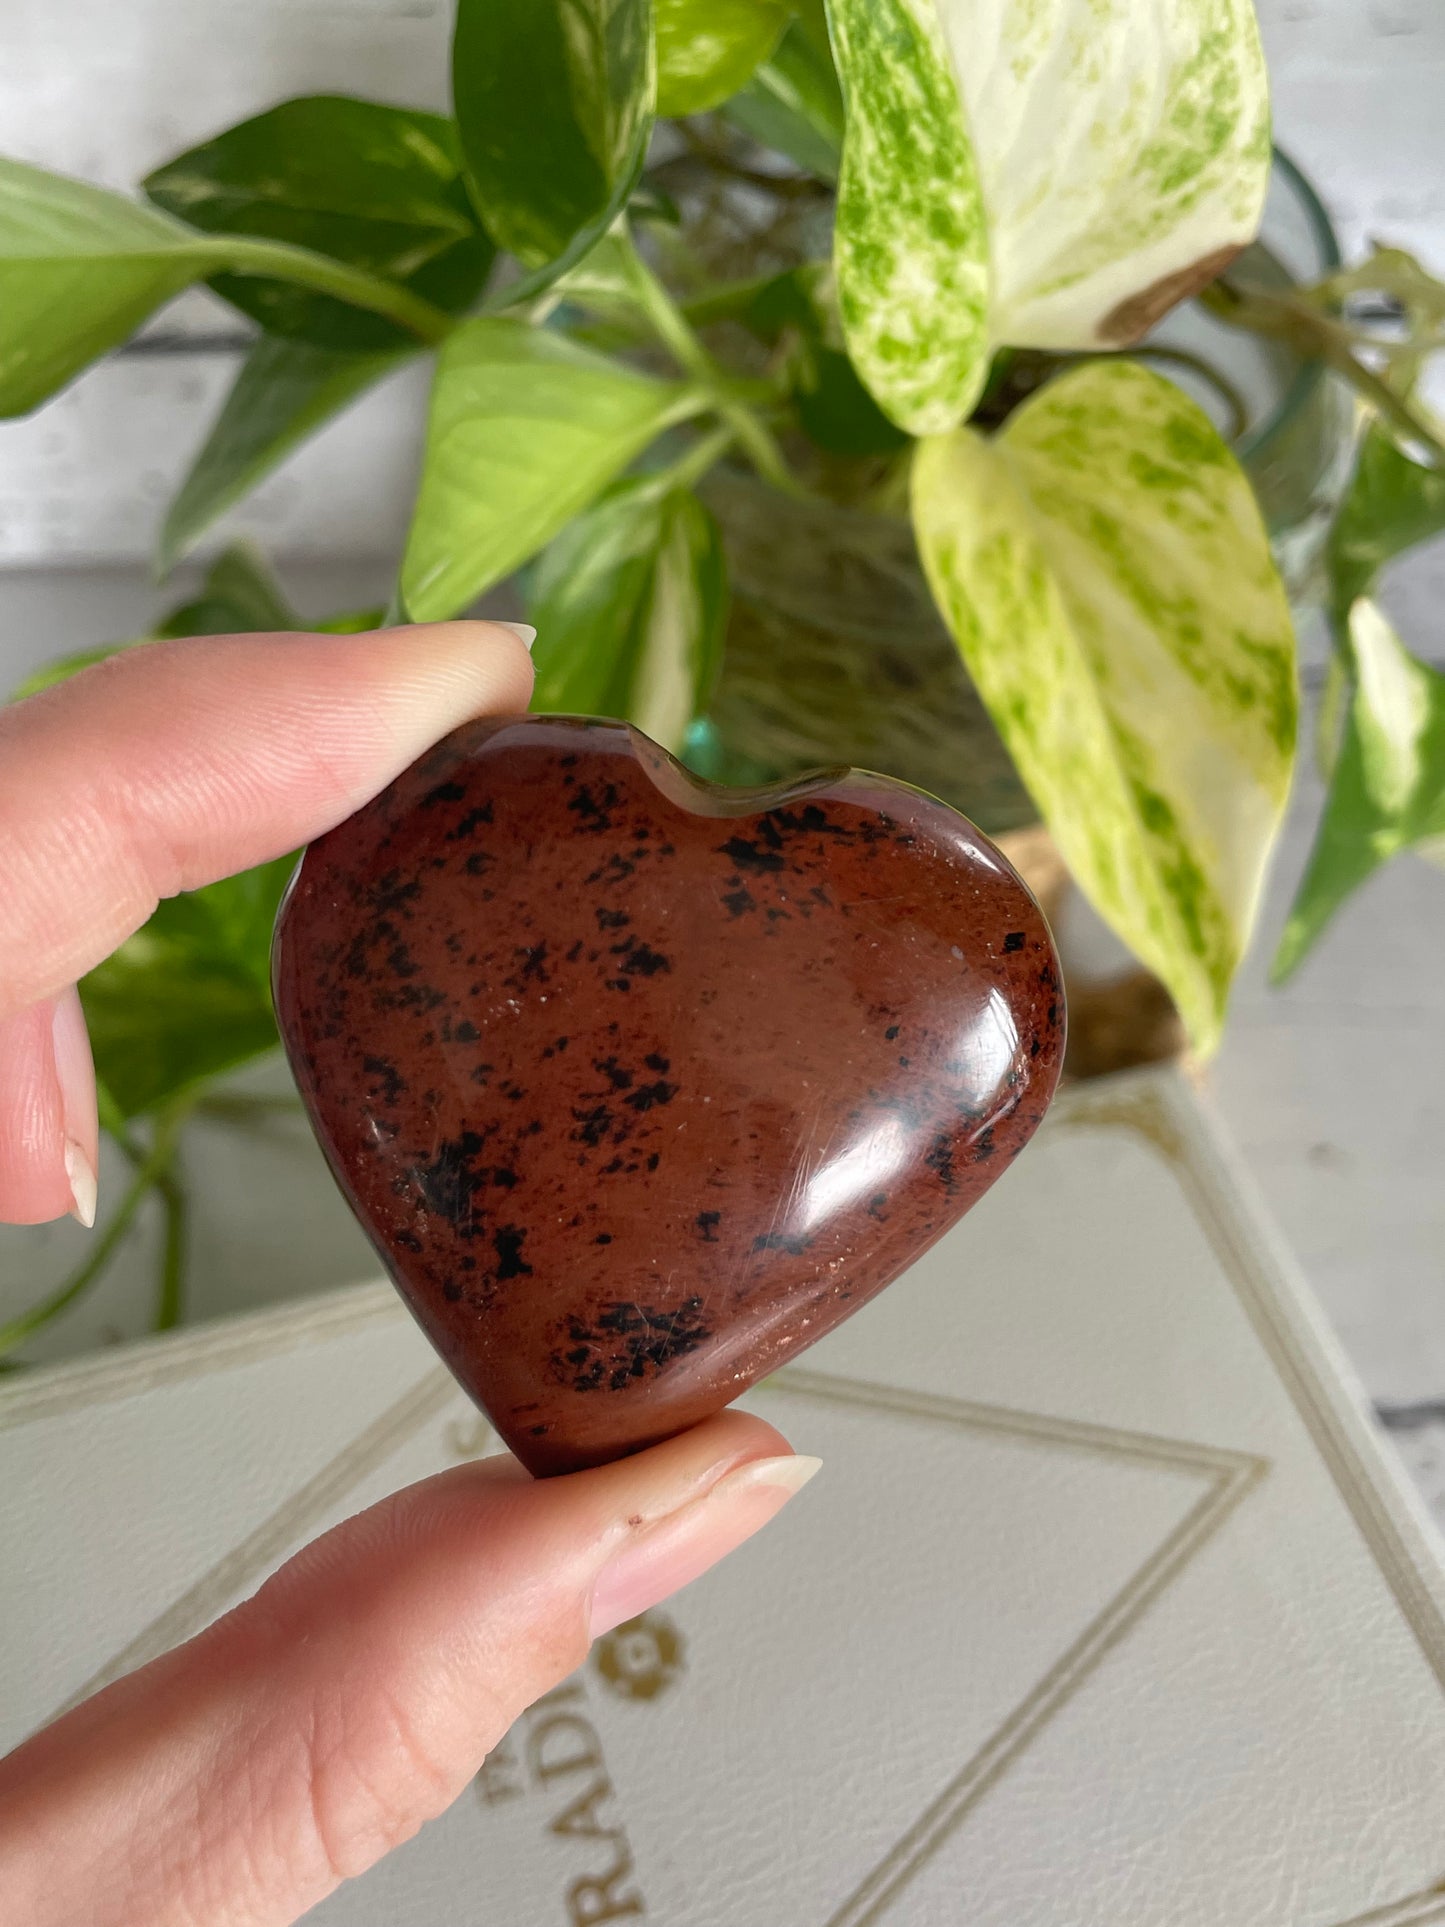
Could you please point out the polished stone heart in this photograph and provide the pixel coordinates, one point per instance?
(640, 1085)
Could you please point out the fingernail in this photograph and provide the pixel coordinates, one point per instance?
(75, 1074)
(523, 631)
(664, 1555)
(83, 1188)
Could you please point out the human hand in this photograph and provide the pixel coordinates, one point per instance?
(237, 1780)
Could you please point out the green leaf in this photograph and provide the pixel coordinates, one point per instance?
(1104, 568)
(1388, 789)
(554, 100)
(1392, 503)
(1049, 176)
(911, 240)
(81, 268)
(64, 668)
(794, 103)
(708, 49)
(284, 392)
(377, 187)
(525, 429)
(189, 995)
(629, 604)
(238, 595)
(835, 410)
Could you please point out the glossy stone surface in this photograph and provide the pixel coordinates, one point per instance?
(640, 1086)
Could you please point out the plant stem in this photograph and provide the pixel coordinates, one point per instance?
(151, 1172)
(673, 331)
(1301, 326)
(241, 255)
(688, 470)
(170, 1301)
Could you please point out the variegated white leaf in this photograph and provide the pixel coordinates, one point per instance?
(1035, 173)
(1104, 569)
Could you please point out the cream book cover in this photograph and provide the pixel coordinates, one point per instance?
(1106, 1610)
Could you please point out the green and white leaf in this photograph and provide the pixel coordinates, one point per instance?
(525, 429)
(81, 268)
(1105, 571)
(285, 391)
(1110, 157)
(910, 239)
(708, 49)
(554, 101)
(629, 604)
(1387, 793)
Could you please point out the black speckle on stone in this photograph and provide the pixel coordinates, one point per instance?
(984, 1146)
(617, 1075)
(481, 1074)
(443, 793)
(655, 1061)
(617, 869)
(477, 863)
(467, 825)
(533, 959)
(408, 1240)
(939, 1159)
(646, 1096)
(654, 1158)
(507, 1241)
(451, 1291)
(751, 856)
(402, 962)
(389, 1078)
(641, 960)
(892, 1031)
(539, 1431)
(603, 1238)
(449, 1181)
(465, 1032)
(611, 919)
(619, 983)
(504, 1177)
(707, 1222)
(1014, 940)
(593, 1125)
(574, 953)
(594, 807)
(782, 1241)
(877, 1204)
(738, 902)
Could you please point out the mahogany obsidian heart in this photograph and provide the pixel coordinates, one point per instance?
(640, 1085)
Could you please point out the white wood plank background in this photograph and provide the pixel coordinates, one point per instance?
(1335, 1088)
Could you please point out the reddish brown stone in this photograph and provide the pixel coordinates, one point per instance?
(640, 1086)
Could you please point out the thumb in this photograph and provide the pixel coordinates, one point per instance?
(240, 1778)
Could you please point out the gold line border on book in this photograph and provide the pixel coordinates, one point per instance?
(1146, 1113)
(1228, 1476)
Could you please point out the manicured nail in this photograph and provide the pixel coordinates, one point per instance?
(664, 1555)
(75, 1074)
(524, 631)
(83, 1189)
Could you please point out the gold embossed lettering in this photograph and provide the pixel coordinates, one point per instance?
(591, 1900)
(579, 1819)
(565, 1743)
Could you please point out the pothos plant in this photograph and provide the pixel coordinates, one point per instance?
(889, 255)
